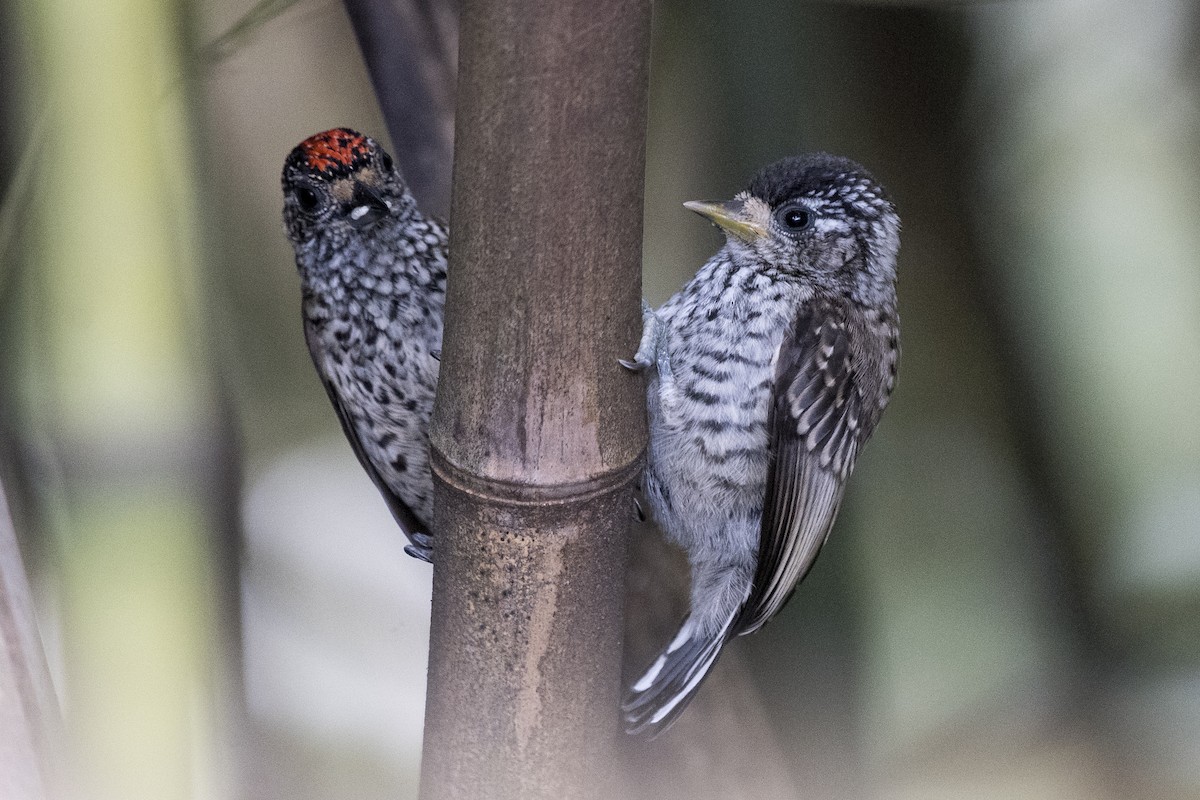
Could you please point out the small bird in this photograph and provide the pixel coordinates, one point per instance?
(767, 373)
(373, 275)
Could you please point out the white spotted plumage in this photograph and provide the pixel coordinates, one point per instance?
(373, 275)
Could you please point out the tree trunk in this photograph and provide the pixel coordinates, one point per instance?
(537, 431)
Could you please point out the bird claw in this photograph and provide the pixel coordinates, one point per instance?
(420, 547)
(637, 509)
(651, 336)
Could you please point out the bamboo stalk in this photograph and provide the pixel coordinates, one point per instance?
(537, 430)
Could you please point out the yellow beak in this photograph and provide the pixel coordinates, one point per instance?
(730, 217)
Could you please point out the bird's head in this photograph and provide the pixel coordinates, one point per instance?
(819, 217)
(337, 185)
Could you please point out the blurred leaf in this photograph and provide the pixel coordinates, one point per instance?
(17, 198)
(240, 32)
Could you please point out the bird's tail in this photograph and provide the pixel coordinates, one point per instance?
(660, 695)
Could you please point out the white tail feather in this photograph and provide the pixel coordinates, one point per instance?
(666, 688)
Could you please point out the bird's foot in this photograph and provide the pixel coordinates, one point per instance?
(420, 547)
(637, 509)
(650, 337)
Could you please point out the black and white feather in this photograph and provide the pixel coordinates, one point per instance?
(373, 277)
(767, 374)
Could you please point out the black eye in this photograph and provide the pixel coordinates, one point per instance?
(308, 199)
(794, 218)
(387, 162)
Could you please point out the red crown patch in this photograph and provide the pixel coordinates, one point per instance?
(337, 150)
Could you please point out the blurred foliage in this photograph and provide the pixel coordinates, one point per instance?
(238, 35)
(1008, 607)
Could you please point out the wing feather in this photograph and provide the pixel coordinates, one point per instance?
(815, 430)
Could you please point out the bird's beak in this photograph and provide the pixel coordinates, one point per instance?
(366, 206)
(730, 216)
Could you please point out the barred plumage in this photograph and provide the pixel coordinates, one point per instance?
(768, 372)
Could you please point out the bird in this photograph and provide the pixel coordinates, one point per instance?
(373, 279)
(767, 373)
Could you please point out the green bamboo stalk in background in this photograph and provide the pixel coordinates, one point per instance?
(118, 385)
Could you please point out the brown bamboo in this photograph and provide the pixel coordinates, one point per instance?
(538, 431)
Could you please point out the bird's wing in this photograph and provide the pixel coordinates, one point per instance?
(406, 518)
(815, 427)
